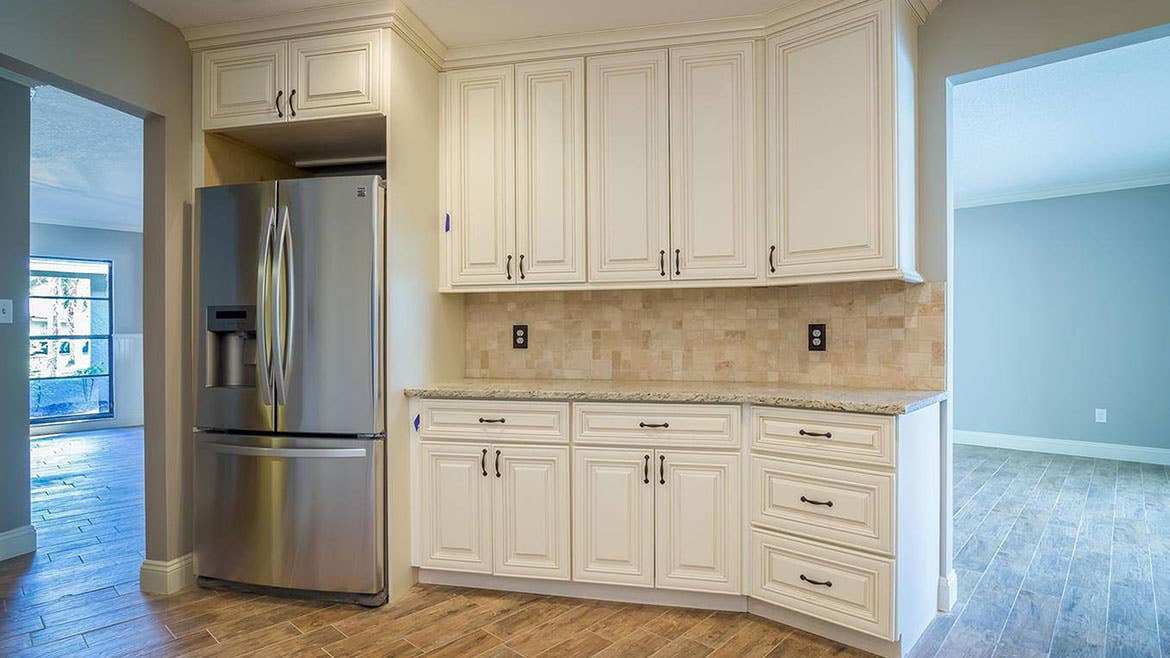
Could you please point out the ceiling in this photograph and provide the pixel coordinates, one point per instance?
(1087, 124)
(466, 22)
(85, 163)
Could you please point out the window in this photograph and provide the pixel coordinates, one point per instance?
(70, 347)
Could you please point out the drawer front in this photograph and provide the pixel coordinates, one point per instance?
(843, 587)
(682, 425)
(860, 438)
(846, 506)
(494, 420)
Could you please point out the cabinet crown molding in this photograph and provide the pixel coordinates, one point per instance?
(394, 14)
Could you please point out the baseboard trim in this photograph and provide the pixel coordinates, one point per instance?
(1115, 451)
(948, 591)
(18, 541)
(167, 576)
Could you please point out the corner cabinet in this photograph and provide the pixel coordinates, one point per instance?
(840, 146)
(328, 76)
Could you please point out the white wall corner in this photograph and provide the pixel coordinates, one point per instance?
(167, 576)
(17, 541)
(948, 591)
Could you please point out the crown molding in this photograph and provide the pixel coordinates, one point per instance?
(396, 15)
(1057, 191)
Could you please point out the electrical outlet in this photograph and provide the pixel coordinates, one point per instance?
(818, 338)
(520, 337)
(1102, 415)
(5, 311)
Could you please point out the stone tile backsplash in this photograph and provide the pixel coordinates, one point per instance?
(881, 335)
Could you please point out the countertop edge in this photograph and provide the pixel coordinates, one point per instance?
(471, 392)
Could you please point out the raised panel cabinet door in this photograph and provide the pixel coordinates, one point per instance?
(627, 151)
(698, 518)
(830, 150)
(335, 75)
(530, 511)
(714, 226)
(613, 516)
(245, 85)
(550, 171)
(480, 173)
(455, 503)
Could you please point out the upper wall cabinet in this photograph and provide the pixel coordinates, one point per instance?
(318, 77)
(515, 174)
(714, 227)
(627, 159)
(840, 136)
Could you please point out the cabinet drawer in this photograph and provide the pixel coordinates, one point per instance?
(855, 590)
(824, 435)
(684, 425)
(846, 506)
(494, 420)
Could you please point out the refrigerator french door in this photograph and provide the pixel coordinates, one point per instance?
(289, 467)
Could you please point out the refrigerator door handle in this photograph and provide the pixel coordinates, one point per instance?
(263, 272)
(284, 334)
(289, 453)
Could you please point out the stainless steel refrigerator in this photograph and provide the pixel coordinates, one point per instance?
(289, 452)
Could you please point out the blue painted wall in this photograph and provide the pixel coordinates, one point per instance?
(1063, 306)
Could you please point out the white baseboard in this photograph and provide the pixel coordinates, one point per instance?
(1119, 452)
(17, 541)
(948, 591)
(166, 576)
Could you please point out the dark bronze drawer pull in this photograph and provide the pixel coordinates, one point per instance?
(497, 463)
(483, 462)
(810, 581)
(661, 469)
(492, 420)
(655, 425)
(827, 435)
(810, 501)
(646, 471)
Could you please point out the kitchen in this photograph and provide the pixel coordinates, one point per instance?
(641, 316)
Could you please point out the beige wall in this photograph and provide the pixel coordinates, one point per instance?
(227, 161)
(117, 53)
(881, 334)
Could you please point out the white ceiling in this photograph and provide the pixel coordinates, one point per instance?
(85, 163)
(1088, 124)
(467, 22)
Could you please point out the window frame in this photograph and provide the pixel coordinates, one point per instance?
(108, 337)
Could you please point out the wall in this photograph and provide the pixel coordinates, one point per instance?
(227, 161)
(115, 52)
(1061, 308)
(124, 248)
(881, 335)
(14, 198)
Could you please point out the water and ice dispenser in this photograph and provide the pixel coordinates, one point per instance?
(231, 346)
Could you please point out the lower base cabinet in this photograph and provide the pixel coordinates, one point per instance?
(495, 508)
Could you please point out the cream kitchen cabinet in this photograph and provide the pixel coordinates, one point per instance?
(495, 508)
(613, 516)
(714, 227)
(317, 77)
(840, 146)
(629, 170)
(515, 174)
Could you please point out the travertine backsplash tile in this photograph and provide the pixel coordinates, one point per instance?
(881, 335)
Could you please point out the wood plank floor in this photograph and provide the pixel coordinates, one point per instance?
(1056, 556)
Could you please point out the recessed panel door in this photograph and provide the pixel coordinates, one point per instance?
(613, 516)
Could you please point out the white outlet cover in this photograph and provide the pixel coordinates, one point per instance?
(5, 311)
(1102, 415)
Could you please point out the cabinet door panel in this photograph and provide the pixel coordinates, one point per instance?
(830, 117)
(456, 507)
(530, 502)
(713, 219)
(240, 85)
(613, 517)
(336, 74)
(550, 170)
(698, 518)
(480, 173)
(627, 159)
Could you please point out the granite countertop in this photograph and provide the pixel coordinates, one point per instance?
(858, 400)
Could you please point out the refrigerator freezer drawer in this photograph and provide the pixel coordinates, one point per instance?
(297, 513)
